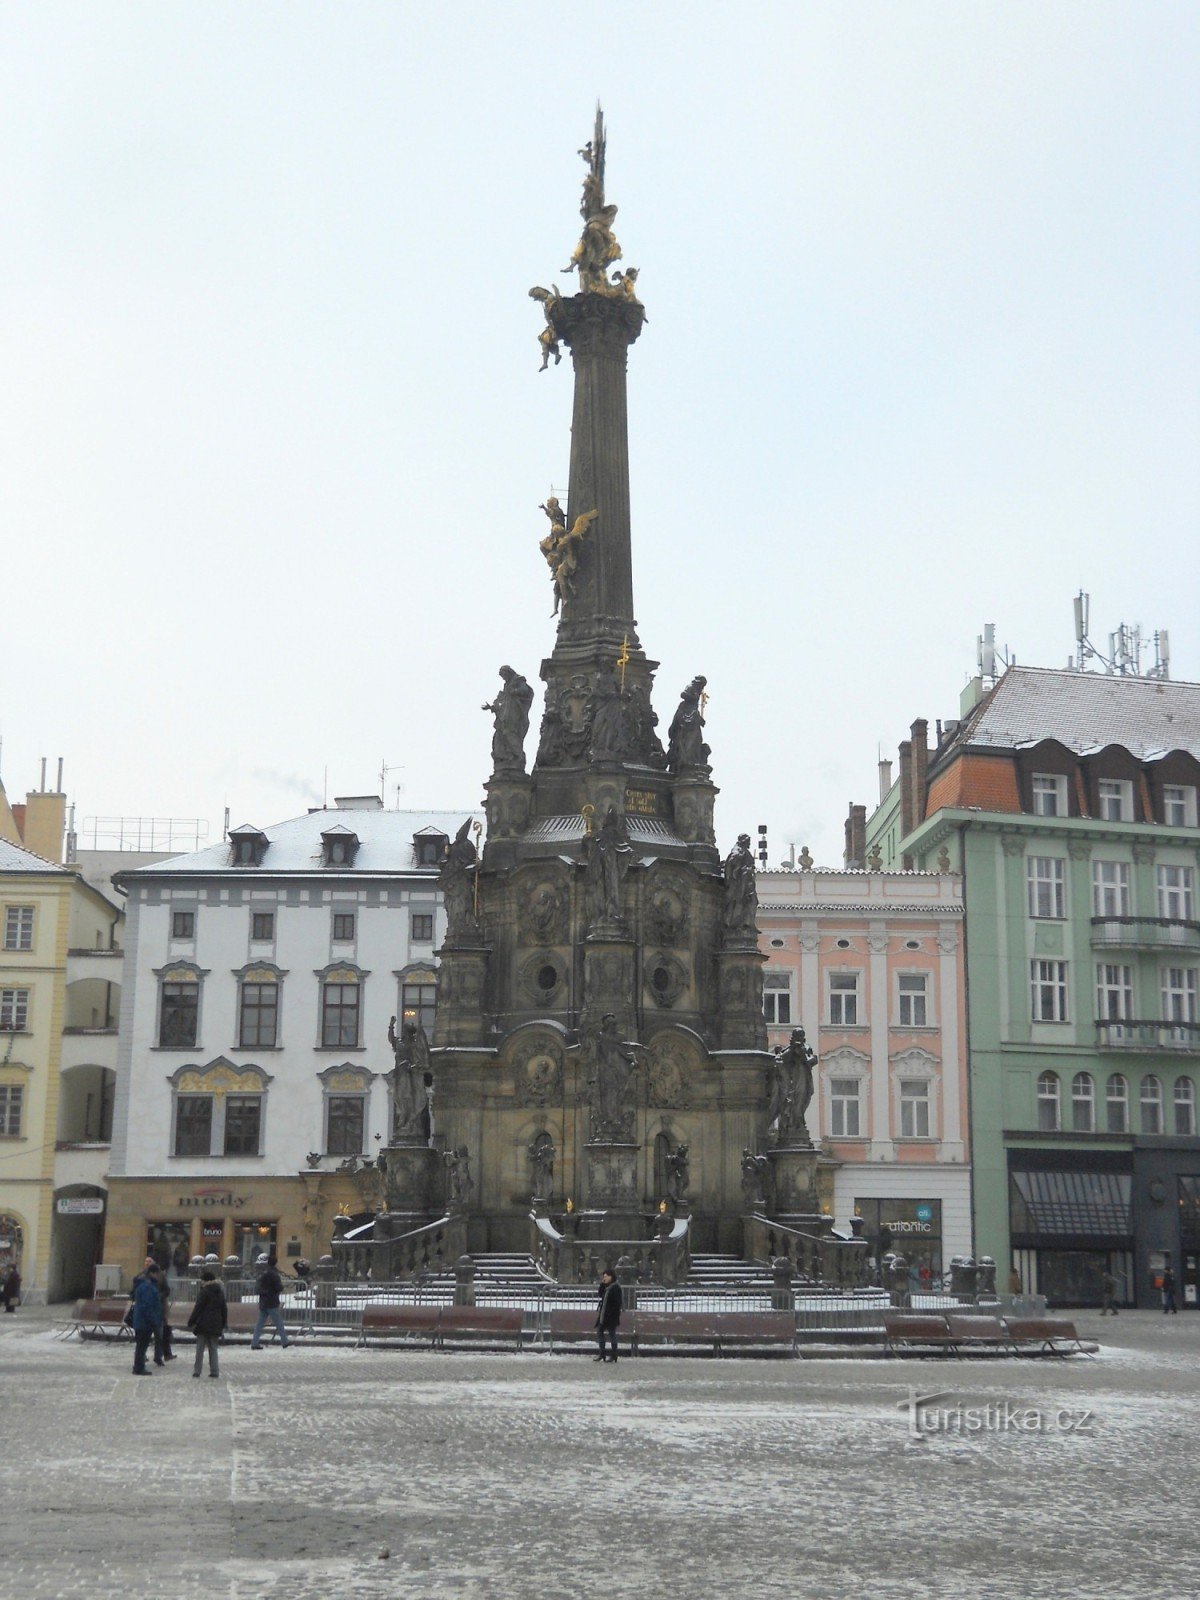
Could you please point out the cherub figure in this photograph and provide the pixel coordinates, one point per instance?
(548, 338)
(561, 550)
(625, 283)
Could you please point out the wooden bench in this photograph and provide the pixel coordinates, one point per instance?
(405, 1323)
(650, 1328)
(763, 1329)
(572, 1327)
(480, 1324)
(911, 1333)
(985, 1334)
(1047, 1336)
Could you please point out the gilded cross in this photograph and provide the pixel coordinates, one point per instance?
(623, 660)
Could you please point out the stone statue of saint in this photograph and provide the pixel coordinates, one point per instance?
(457, 883)
(610, 719)
(410, 1095)
(607, 853)
(792, 1090)
(754, 1170)
(678, 1175)
(685, 737)
(548, 338)
(611, 1065)
(459, 1181)
(741, 891)
(541, 1165)
(511, 711)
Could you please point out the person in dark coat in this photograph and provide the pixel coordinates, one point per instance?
(11, 1290)
(270, 1287)
(608, 1314)
(208, 1320)
(1168, 1291)
(146, 1319)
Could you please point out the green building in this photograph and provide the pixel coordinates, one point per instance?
(1068, 802)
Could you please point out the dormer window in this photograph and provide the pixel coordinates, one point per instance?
(339, 846)
(429, 847)
(247, 846)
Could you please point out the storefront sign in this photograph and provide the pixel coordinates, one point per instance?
(211, 1200)
(71, 1206)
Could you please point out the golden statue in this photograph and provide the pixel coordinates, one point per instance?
(596, 251)
(561, 548)
(548, 338)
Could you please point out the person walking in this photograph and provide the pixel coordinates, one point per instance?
(1168, 1291)
(146, 1319)
(208, 1320)
(270, 1288)
(11, 1289)
(1108, 1292)
(608, 1314)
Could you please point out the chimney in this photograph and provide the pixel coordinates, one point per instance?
(855, 854)
(885, 780)
(906, 822)
(44, 824)
(920, 769)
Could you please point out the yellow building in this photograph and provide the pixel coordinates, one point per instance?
(60, 976)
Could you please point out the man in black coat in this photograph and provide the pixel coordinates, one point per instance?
(270, 1288)
(210, 1314)
(608, 1314)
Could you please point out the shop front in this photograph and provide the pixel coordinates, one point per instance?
(908, 1227)
(173, 1222)
(1167, 1210)
(1071, 1221)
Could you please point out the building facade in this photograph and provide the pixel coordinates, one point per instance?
(60, 983)
(254, 1055)
(870, 964)
(1067, 801)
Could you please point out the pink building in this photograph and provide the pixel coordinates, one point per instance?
(870, 964)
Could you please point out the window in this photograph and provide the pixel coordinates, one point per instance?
(1117, 1101)
(1185, 1108)
(1179, 805)
(262, 926)
(179, 1015)
(1110, 889)
(845, 1108)
(12, 1096)
(183, 924)
(1174, 893)
(1179, 1001)
(1115, 796)
(345, 1123)
(339, 846)
(914, 1108)
(1114, 993)
(1049, 794)
(259, 1015)
(1049, 991)
(429, 848)
(1049, 1119)
(193, 1124)
(418, 1000)
(843, 999)
(14, 1010)
(18, 927)
(422, 927)
(1152, 1106)
(914, 1008)
(777, 998)
(343, 927)
(339, 1014)
(1083, 1103)
(243, 1124)
(1047, 886)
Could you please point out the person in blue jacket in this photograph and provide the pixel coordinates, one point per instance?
(147, 1319)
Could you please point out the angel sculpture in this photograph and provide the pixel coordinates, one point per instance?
(596, 251)
(561, 550)
(548, 338)
(410, 1094)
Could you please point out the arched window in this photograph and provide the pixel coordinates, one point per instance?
(1083, 1103)
(1152, 1104)
(1049, 1117)
(1185, 1107)
(1118, 1103)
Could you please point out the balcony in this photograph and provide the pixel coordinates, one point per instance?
(1136, 1035)
(101, 965)
(80, 1163)
(1144, 933)
(88, 1047)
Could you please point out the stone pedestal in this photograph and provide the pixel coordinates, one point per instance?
(612, 1188)
(740, 993)
(462, 986)
(414, 1180)
(796, 1203)
(608, 960)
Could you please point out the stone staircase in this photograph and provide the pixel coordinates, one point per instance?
(728, 1272)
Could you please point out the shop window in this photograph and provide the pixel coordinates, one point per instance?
(1048, 1102)
(170, 1244)
(1083, 1103)
(1152, 1104)
(12, 1239)
(12, 1103)
(1185, 1108)
(253, 1239)
(1117, 1103)
(14, 1010)
(777, 998)
(913, 999)
(345, 1124)
(18, 927)
(845, 1108)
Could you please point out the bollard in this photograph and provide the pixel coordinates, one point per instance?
(627, 1278)
(464, 1281)
(898, 1281)
(231, 1274)
(326, 1276)
(985, 1279)
(781, 1285)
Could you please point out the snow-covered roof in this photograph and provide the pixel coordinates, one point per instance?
(1086, 711)
(15, 858)
(385, 845)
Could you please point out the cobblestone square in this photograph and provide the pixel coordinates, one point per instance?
(512, 1475)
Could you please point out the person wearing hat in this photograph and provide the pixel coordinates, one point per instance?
(208, 1321)
(608, 1313)
(146, 1319)
(270, 1288)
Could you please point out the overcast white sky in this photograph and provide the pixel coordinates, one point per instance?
(922, 353)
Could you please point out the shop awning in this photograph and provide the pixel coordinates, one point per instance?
(1071, 1203)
